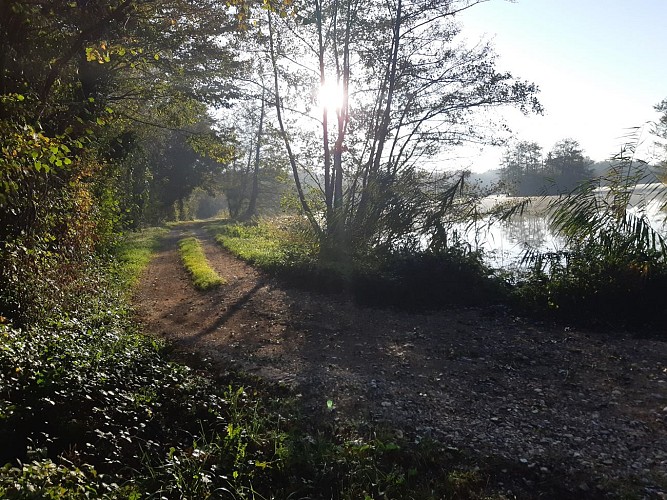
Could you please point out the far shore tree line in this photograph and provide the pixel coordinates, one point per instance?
(526, 170)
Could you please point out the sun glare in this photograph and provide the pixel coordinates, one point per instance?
(330, 96)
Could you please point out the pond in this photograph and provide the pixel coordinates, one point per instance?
(505, 243)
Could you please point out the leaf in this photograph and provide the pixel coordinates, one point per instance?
(330, 404)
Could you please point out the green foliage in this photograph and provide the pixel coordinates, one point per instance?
(75, 102)
(86, 389)
(47, 480)
(203, 275)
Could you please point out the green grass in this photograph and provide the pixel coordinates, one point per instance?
(269, 245)
(203, 275)
(134, 253)
(252, 245)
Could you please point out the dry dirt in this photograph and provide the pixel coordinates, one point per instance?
(546, 399)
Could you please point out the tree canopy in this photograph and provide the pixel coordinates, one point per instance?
(101, 105)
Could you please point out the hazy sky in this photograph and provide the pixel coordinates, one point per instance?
(601, 66)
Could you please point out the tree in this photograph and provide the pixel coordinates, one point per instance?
(567, 165)
(409, 92)
(522, 169)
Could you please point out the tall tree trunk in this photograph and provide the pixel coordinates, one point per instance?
(328, 185)
(367, 211)
(343, 120)
(383, 131)
(252, 204)
(292, 159)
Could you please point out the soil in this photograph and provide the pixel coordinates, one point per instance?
(540, 400)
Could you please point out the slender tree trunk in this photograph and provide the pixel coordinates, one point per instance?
(343, 120)
(292, 159)
(386, 116)
(252, 204)
(328, 185)
(367, 210)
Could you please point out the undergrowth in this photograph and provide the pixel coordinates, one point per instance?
(415, 281)
(614, 271)
(203, 275)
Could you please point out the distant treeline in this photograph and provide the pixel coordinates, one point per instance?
(526, 171)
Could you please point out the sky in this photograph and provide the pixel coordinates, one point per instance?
(601, 66)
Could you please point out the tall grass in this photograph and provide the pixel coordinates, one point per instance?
(614, 268)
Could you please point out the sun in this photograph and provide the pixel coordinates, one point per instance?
(330, 95)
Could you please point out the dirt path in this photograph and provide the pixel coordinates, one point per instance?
(539, 398)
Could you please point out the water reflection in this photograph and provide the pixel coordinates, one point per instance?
(505, 243)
